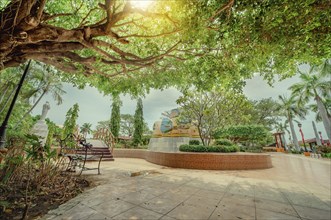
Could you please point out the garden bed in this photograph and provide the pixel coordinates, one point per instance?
(203, 161)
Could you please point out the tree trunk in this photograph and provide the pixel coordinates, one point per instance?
(324, 115)
(294, 136)
(318, 140)
(284, 141)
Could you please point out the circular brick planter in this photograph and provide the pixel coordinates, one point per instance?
(203, 161)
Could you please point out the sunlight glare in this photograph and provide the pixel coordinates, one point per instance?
(142, 4)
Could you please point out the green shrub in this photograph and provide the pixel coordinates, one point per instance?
(224, 142)
(294, 151)
(251, 149)
(194, 142)
(201, 148)
(327, 155)
(324, 149)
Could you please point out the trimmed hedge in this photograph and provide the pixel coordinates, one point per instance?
(194, 142)
(201, 148)
(224, 142)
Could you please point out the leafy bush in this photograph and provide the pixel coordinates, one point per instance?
(327, 155)
(201, 148)
(194, 142)
(251, 149)
(145, 140)
(294, 151)
(324, 149)
(224, 142)
(246, 134)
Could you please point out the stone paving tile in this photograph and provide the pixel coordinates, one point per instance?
(281, 192)
(308, 200)
(174, 196)
(161, 205)
(242, 189)
(138, 213)
(165, 217)
(186, 211)
(262, 214)
(238, 199)
(270, 194)
(311, 213)
(211, 194)
(202, 201)
(80, 211)
(113, 207)
(233, 211)
(98, 216)
(137, 197)
(274, 206)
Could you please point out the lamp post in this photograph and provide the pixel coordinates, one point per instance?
(320, 133)
(303, 139)
(3, 126)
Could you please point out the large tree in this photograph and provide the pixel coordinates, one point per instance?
(214, 110)
(265, 113)
(289, 109)
(115, 118)
(315, 84)
(127, 124)
(138, 123)
(213, 41)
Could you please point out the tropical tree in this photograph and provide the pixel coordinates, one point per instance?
(282, 128)
(70, 125)
(168, 43)
(103, 125)
(264, 113)
(214, 110)
(327, 104)
(289, 109)
(138, 123)
(127, 124)
(315, 84)
(85, 129)
(115, 118)
(44, 79)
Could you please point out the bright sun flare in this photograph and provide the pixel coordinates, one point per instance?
(143, 4)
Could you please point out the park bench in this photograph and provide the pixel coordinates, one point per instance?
(78, 153)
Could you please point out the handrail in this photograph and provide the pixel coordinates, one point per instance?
(106, 136)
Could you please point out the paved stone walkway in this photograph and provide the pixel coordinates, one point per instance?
(295, 188)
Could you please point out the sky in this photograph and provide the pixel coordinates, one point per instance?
(96, 107)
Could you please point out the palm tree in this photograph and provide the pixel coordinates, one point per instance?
(315, 85)
(327, 104)
(282, 128)
(86, 129)
(47, 80)
(289, 108)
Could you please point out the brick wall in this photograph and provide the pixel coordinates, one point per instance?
(203, 161)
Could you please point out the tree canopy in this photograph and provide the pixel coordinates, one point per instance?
(121, 47)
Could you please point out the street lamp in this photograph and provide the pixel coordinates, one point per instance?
(320, 133)
(303, 139)
(3, 126)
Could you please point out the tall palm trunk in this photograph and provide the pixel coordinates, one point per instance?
(318, 140)
(324, 115)
(294, 136)
(284, 141)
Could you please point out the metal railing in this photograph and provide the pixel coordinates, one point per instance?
(106, 136)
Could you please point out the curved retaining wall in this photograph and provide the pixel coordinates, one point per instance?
(203, 161)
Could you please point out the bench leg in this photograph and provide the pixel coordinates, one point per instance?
(99, 164)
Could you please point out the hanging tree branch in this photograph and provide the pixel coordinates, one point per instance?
(28, 31)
